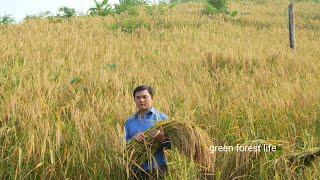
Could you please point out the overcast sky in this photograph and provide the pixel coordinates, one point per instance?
(20, 8)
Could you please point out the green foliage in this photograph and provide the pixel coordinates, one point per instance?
(130, 10)
(28, 17)
(158, 9)
(234, 13)
(220, 6)
(67, 12)
(129, 6)
(41, 15)
(185, 1)
(75, 80)
(101, 9)
(133, 2)
(130, 25)
(59, 18)
(6, 19)
(209, 10)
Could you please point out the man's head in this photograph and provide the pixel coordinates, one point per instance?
(143, 97)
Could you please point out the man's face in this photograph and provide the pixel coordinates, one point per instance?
(143, 100)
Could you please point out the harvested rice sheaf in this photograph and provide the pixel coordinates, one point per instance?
(189, 139)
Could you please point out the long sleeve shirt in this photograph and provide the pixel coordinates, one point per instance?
(136, 124)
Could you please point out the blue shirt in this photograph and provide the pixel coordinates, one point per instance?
(135, 124)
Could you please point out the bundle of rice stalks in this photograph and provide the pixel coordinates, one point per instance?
(190, 140)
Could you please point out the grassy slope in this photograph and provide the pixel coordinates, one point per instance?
(235, 77)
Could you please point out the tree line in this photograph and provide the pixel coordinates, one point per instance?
(103, 8)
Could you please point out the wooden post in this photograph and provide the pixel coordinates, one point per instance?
(291, 26)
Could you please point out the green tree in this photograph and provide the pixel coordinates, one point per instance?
(100, 9)
(6, 19)
(67, 12)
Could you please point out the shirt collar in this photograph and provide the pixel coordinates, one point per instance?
(152, 111)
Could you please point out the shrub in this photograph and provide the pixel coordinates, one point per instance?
(218, 6)
(130, 25)
(41, 15)
(6, 19)
(129, 6)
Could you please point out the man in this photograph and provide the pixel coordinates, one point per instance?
(146, 118)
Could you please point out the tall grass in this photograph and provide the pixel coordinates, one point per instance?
(65, 87)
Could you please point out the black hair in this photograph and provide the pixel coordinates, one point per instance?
(142, 88)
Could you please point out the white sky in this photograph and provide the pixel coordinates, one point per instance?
(20, 8)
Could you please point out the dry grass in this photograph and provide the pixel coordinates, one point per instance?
(234, 77)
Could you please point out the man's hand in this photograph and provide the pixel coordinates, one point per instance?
(140, 137)
(158, 135)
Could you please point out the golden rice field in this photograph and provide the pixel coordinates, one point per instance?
(66, 89)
